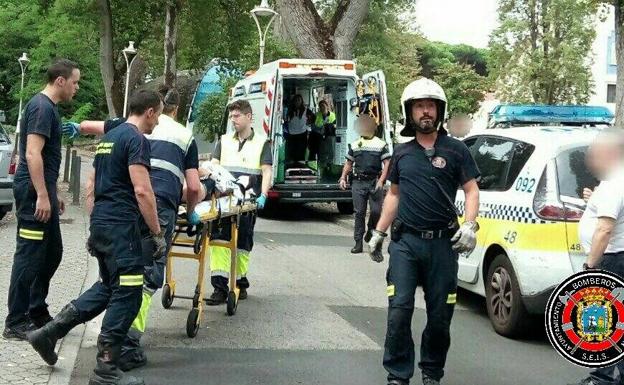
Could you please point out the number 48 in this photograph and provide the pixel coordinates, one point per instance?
(511, 236)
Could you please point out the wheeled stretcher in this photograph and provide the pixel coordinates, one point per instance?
(224, 211)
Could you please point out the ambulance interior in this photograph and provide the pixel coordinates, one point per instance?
(327, 166)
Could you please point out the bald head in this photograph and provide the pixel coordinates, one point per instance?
(606, 153)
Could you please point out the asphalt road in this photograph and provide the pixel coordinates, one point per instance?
(316, 315)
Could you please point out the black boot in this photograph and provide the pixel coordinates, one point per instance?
(132, 353)
(43, 340)
(218, 297)
(106, 371)
(426, 380)
(358, 247)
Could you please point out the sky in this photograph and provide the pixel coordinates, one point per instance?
(457, 21)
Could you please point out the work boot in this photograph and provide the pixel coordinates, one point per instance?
(44, 340)
(42, 321)
(357, 248)
(18, 332)
(242, 294)
(429, 381)
(132, 353)
(106, 371)
(217, 297)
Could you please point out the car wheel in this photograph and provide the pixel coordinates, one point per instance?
(345, 208)
(507, 313)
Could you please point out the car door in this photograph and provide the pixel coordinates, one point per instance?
(375, 83)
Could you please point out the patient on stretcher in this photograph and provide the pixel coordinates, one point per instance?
(228, 190)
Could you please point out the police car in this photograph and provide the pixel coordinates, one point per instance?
(531, 186)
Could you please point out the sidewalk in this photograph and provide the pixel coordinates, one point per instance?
(19, 363)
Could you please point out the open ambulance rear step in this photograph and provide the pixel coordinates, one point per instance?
(300, 175)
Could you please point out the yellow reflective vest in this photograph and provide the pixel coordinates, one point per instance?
(247, 160)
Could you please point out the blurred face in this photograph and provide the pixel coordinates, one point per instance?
(366, 126)
(459, 127)
(425, 114)
(298, 101)
(602, 158)
(68, 87)
(151, 118)
(240, 121)
(324, 108)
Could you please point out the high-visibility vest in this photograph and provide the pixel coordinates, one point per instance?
(321, 120)
(247, 160)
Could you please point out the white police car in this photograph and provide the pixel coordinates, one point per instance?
(531, 185)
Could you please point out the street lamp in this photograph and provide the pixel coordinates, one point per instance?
(263, 10)
(130, 54)
(23, 61)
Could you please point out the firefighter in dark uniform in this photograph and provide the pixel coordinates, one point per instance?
(123, 193)
(39, 246)
(365, 159)
(426, 237)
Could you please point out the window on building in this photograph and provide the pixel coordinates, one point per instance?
(610, 93)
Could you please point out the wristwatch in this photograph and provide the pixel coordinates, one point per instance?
(587, 267)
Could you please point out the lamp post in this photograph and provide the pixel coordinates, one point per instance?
(263, 10)
(23, 61)
(130, 54)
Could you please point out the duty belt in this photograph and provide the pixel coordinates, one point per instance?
(431, 234)
(362, 177)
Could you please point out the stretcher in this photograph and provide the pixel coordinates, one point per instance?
(222, 211)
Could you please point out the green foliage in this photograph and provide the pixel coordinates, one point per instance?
(539, 53)
(463, 86)
(211, 112)
(82, 113)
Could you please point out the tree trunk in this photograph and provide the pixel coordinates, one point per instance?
(619, 52)
(316, 39)
(106, 54)
(171, 35)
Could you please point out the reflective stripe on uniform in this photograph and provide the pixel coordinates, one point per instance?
(140, 321)
(452, 298)
(163, 164)
(243, 170)
(220, 262)
(35, 235)
(131, 280)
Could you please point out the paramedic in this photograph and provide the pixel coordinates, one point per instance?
(324, 125)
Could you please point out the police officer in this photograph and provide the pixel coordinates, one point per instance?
(174, 159)
(123, 194)
(243, 153)
(39, 246)
(365, 158)
(426, 238)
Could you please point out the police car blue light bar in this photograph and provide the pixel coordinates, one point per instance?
(507, 115)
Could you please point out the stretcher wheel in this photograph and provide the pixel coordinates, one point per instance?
(192, 323)
(167, 296)
(232, 303)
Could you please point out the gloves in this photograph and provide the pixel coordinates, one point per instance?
(71, 129)
(194, 218)
(160, 245)
(375, 244)
(261, 201)
(465, 239)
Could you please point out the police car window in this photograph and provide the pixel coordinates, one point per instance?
(471, 144)
(572, 173)
(521, 154)
(493, 157)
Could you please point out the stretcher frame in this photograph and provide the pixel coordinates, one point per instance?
(200, 243)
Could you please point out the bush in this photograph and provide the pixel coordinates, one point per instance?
(209, 120)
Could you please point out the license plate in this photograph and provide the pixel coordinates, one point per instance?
(296, 195)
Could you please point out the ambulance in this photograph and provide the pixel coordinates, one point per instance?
(269, 91)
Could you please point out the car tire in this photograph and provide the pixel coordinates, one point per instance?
(345, 208)
(505, 308)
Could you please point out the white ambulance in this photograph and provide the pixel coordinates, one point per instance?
(269, 91)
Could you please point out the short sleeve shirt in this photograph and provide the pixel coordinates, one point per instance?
(422, 178)
(120, 148)
(41, 117)
(607, 201)
(367, 155)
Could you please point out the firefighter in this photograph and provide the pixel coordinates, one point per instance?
(174, 160)
(39, 246)
(426, 237)
(123, 194)
(368, 159)
(243, 153)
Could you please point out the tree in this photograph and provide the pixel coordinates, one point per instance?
(539, 52)
(463, 86)
(316, 38)
(171, 39)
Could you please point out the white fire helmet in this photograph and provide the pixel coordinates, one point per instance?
(422, 88)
